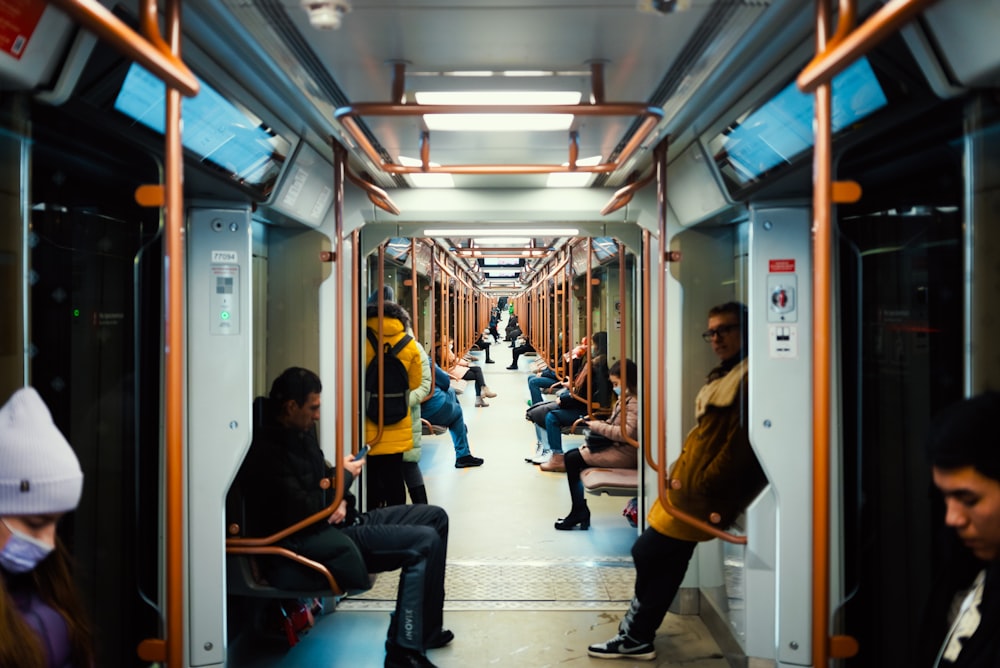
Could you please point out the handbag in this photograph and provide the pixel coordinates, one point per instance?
(459, 385)
(536, 412)
(596, 442)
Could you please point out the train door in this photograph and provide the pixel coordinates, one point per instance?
(94, 356)
(902, 308)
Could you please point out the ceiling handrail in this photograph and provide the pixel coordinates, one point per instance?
(846, 46)
(624, 194)
(347, 116)
(152, 53)
(376, 195)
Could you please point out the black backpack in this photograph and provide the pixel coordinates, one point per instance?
(395, 403)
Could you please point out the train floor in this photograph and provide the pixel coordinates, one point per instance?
(518, 592)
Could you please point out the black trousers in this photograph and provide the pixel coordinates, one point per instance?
(386, 485)
(411, 538)
(660, 565)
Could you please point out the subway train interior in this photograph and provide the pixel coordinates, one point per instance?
(199, 194)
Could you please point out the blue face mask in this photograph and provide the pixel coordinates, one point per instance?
(23, 553)
(618, 390)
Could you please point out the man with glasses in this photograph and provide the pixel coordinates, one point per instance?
(715, 477)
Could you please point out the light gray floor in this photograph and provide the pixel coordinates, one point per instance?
(519, 593)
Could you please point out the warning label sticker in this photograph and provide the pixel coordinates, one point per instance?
(776, 266)
(18, 20)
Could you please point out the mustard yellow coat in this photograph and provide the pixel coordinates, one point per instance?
(717, 472)
(395, 437)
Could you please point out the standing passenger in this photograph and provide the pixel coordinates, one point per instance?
(964, 615)
(385, 460)
(42, 622)
(716, 474)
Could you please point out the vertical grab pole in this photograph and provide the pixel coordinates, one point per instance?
(339, 166)
(660, 266)
(822, 202)
(174, 356)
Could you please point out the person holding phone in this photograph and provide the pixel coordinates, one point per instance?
(285, 479)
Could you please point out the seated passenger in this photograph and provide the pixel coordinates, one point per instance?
(569, 409)
(543, 382)
(483, 343)
(43, 621)
(612, 453)
(716, 473)
(517, 352)
(281, 478)
(960, 620)
(459, 368)
(442, 408)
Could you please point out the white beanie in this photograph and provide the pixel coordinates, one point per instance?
(39, 472)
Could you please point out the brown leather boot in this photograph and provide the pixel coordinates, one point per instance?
(557, 464)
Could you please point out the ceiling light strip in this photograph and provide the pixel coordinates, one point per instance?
(347, 115)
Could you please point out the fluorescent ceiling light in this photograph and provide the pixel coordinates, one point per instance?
(502, 232)
(573, 179)
(499, 97)
(502, 241)
(498, 122)
(427, 180)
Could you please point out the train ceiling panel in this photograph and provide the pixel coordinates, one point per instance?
(515, 46)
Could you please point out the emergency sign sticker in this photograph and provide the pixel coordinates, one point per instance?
(18, 20)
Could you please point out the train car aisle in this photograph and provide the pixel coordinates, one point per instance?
(518, 592)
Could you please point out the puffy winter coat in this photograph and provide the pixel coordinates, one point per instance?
(395, 437)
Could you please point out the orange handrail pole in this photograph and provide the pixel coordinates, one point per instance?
(355, 332)
(623, 335)
(646, 333)
(174, 358)
(152, 53)
(339, 166)
(822, 203)
(380, 423)
(660, 466)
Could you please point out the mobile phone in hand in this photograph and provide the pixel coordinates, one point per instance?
(362, 452)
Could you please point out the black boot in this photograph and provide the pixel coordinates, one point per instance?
(579, 515)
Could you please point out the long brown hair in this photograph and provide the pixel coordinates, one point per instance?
(19, 645)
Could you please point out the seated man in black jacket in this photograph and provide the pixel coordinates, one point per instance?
(283, 482)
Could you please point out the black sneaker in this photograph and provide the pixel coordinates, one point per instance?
(512, 367)
(398, 657)
(440, 638)
(468, 461)
(491, 361)
(623, 647)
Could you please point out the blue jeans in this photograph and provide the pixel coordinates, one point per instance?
(538, 383)
(450, 415)
(555, 421)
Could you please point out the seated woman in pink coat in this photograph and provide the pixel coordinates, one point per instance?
(613, 451)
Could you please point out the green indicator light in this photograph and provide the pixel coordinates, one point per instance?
(76, 313)
(224, 315)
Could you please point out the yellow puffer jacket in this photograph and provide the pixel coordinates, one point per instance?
(717, 474)
(395, 437)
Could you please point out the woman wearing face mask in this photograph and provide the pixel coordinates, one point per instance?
(41, 617)
(615, 453)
